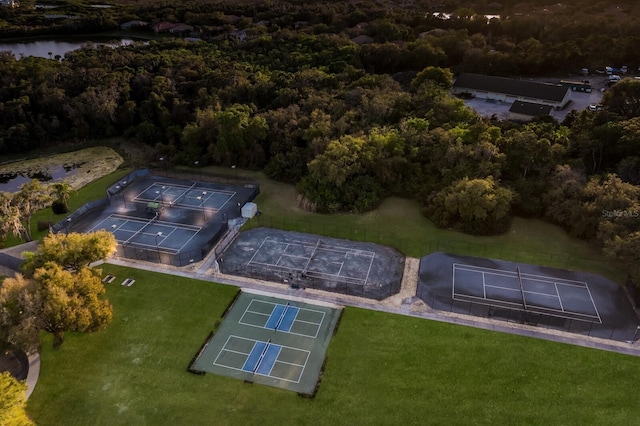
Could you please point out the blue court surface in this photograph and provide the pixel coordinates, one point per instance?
(271, 341)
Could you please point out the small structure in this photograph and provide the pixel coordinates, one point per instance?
(362, 39)
(249, 210)
(9, 3)
(525, 111)
(239, 35)
(164, 26)
(136, 23)
(181, 29)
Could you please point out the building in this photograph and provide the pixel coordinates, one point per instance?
(525, 111)
(133, 24)
(511, 90)
(9, 3)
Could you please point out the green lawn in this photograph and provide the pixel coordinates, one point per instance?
(399, 223)
(381, 369)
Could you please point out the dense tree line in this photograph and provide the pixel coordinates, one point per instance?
(342, 122)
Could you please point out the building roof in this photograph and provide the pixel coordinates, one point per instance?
(362, 39)
(510, 86)
(530, 108)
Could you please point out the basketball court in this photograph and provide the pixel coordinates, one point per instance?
(272, 341)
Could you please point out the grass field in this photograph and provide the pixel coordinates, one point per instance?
(381, 369)
(399, 223)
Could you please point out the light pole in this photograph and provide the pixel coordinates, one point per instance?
(164, 165)
(199, 198)
(66, 224)
(197, 163)
(159, 234)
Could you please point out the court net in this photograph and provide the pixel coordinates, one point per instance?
(130, 239)
(284, 312)
(264, 351)
(524, 302)
(181, 196)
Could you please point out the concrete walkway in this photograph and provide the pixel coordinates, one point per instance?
(404, 303)
(410, 306)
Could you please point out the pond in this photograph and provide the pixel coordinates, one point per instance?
(55, 48)
(11, 181)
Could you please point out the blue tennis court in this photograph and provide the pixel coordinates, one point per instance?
(191, 197)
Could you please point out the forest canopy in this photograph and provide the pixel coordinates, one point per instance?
(292, 93)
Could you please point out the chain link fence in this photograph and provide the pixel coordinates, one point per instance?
(624, 333)
(295, 279)
(564, 260)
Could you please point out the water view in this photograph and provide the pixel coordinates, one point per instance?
(11, 181)
(55, 48)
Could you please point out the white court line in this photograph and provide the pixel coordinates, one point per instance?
(483, 271)
(594, 305)
(344, 251)
(274, 362)
(558, 294)
(473, 268)
(264, 326)
(484, 286)
(312, 274)
(257, 251)
(532, 308)
(303, 366)
(327, 247)
(366, 279)
(518, 290)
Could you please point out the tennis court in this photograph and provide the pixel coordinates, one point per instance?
(194, 196)
(272, 341)
(530, 292)
(191, 216)
(151, 234)
(573, 301)
(306, 260)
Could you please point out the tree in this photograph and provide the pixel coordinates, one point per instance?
(16, 209)
(626, 250)
(624, 98)
(13, 401)
(17, 326)
(65, 301)
(475, 206)
(61, 191)
(71, 251)
(441, 77)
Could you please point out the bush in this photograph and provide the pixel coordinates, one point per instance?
(44, 224)
(59, 207)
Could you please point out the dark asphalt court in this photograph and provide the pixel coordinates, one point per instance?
(573, 301)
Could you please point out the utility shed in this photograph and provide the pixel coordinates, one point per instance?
(249, 210)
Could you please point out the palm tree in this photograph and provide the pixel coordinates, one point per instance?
(61, 191)
(10, 217)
